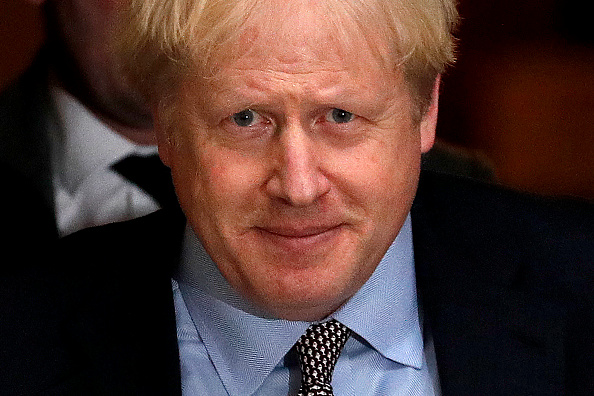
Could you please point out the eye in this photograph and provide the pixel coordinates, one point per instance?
(246, 118)
(339, 116)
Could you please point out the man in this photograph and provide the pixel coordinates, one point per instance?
(68, 120)
(294, 132)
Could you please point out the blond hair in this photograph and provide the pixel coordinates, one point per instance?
(161, 41)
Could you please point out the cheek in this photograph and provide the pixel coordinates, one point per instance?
(380, 171)
(212, 180)
(402, 169)
(390, 177)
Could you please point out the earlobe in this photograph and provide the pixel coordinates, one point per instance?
(429, 122)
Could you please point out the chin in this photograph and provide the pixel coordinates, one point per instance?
(307, 294)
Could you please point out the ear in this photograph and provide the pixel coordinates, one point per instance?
(162, 134)
(429, 121)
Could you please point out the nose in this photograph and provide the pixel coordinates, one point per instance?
(298, 178)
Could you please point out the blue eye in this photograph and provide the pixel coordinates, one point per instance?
(245, 118)
(339, 116)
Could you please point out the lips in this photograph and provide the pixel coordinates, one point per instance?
(299, 232)
(296, 237)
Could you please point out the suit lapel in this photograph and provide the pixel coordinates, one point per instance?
(491, 336)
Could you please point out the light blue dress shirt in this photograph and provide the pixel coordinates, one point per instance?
(227, 347)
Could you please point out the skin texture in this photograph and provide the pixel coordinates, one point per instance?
(80, 32)
(296, 206)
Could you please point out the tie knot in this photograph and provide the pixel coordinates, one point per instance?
(318, 350)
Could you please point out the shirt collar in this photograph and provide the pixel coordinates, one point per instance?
(243, 345)
(384, 312)
(84, 143)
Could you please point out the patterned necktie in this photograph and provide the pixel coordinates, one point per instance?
(318, 350)
(149, 173)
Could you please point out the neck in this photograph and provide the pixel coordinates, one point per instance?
(128, 118)
(139, 132)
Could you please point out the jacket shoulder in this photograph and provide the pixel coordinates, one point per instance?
(473, 205)
(135, 246)
(487, 229)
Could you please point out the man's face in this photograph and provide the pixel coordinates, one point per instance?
(296, 166)
(89, 67)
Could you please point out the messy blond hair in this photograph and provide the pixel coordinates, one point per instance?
(161, 41)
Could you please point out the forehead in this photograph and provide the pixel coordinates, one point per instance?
(304, 34)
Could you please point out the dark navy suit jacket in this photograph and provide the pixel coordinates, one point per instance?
(25, 171)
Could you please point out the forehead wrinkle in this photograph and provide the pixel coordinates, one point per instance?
(315, 71)
(297, 86)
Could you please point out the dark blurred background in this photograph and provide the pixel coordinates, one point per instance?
(521, 94)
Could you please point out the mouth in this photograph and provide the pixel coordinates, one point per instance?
(300, 237)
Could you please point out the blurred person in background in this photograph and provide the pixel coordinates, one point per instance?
(74, 134)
